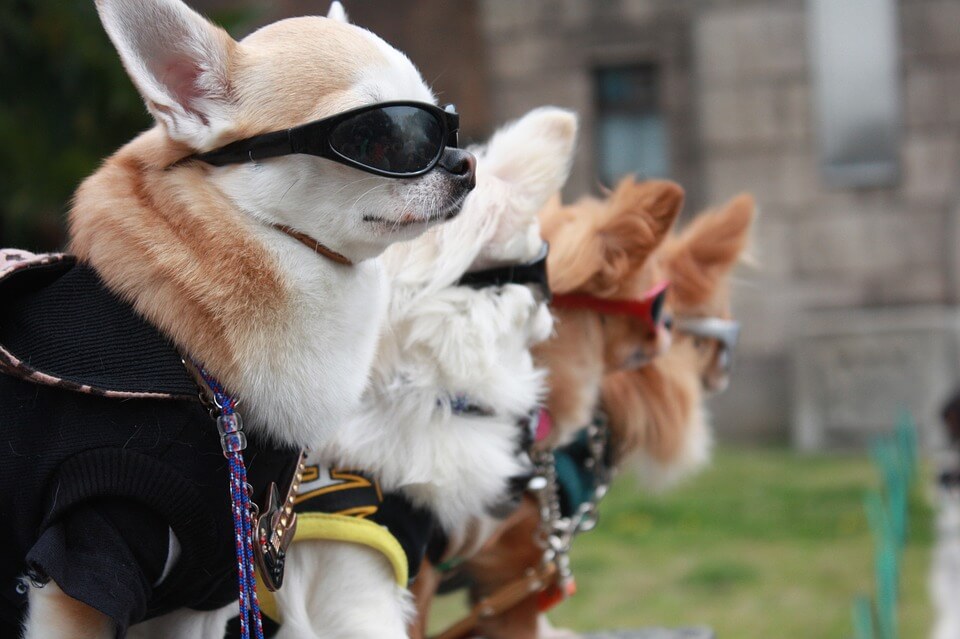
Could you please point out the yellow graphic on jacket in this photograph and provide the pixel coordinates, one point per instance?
(338, 491)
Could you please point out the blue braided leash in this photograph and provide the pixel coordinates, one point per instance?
(234, 442)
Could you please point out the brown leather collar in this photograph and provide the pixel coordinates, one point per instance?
(314, 245)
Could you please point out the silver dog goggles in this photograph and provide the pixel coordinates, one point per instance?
(725, 331)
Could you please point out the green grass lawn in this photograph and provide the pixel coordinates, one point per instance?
(765, 544)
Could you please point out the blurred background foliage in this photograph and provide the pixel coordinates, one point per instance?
(66, 104)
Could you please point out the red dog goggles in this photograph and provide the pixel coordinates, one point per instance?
(648, 309)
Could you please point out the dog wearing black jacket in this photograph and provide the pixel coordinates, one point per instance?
(265, 272)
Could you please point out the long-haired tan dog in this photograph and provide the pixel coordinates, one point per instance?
(657, 412)
(599, 248)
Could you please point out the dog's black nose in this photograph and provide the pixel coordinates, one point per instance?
(461, 165)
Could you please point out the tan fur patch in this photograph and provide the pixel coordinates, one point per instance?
(53, 613)
(174, 247)
(598, 246)
(302, 60)
(575, 367)
(700, 259)
(650, 408)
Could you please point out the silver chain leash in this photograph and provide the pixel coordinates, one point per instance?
(555, 532)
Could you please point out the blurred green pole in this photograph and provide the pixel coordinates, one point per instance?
(887, 591)
(885, 565)
(892, 464)
(888, 514)
(863, 618)
(906, 434)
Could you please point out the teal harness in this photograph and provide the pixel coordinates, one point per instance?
(581, 468)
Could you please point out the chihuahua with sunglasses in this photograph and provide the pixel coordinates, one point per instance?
(241, 234)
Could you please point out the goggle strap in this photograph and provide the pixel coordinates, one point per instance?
(258, 147)
(527, 272)
(726, 331)
(647, 308)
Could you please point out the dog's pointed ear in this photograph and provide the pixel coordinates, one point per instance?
(338, 13)
(633, 224)
(529, 160)
(653, 205)
(707, 250)
(178, 61)
(533, 156)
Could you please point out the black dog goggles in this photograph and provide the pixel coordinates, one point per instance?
(392, 139)
(533, 272)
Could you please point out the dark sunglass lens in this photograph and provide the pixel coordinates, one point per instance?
(657, 307)
(394, 139)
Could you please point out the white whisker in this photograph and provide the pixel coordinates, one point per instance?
(349, 184)
(367, 192)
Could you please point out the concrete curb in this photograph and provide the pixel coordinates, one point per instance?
(653, 633)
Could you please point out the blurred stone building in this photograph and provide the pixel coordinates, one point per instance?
(842, 117)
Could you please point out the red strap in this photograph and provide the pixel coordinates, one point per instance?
(640, 308)
(554, 594)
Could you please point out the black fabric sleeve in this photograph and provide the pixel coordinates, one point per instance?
(410, 525)
(106, 554)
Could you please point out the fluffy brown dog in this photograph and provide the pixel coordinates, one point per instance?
(654, 411)
(599, 249)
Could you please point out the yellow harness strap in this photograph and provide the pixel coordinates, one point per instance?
(356, 530)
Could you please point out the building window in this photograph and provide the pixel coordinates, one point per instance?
(631, 129)
(854, 50)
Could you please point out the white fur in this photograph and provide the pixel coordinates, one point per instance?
(337, 12)
(327, 583)
(330, 201)
(302, 393)
(945, 570)
(185, 623)
(442, 340)
(177, 61)
(302, 379)
(47, 619)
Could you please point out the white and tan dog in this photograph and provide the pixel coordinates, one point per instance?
(198, 250)
(445, 345)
